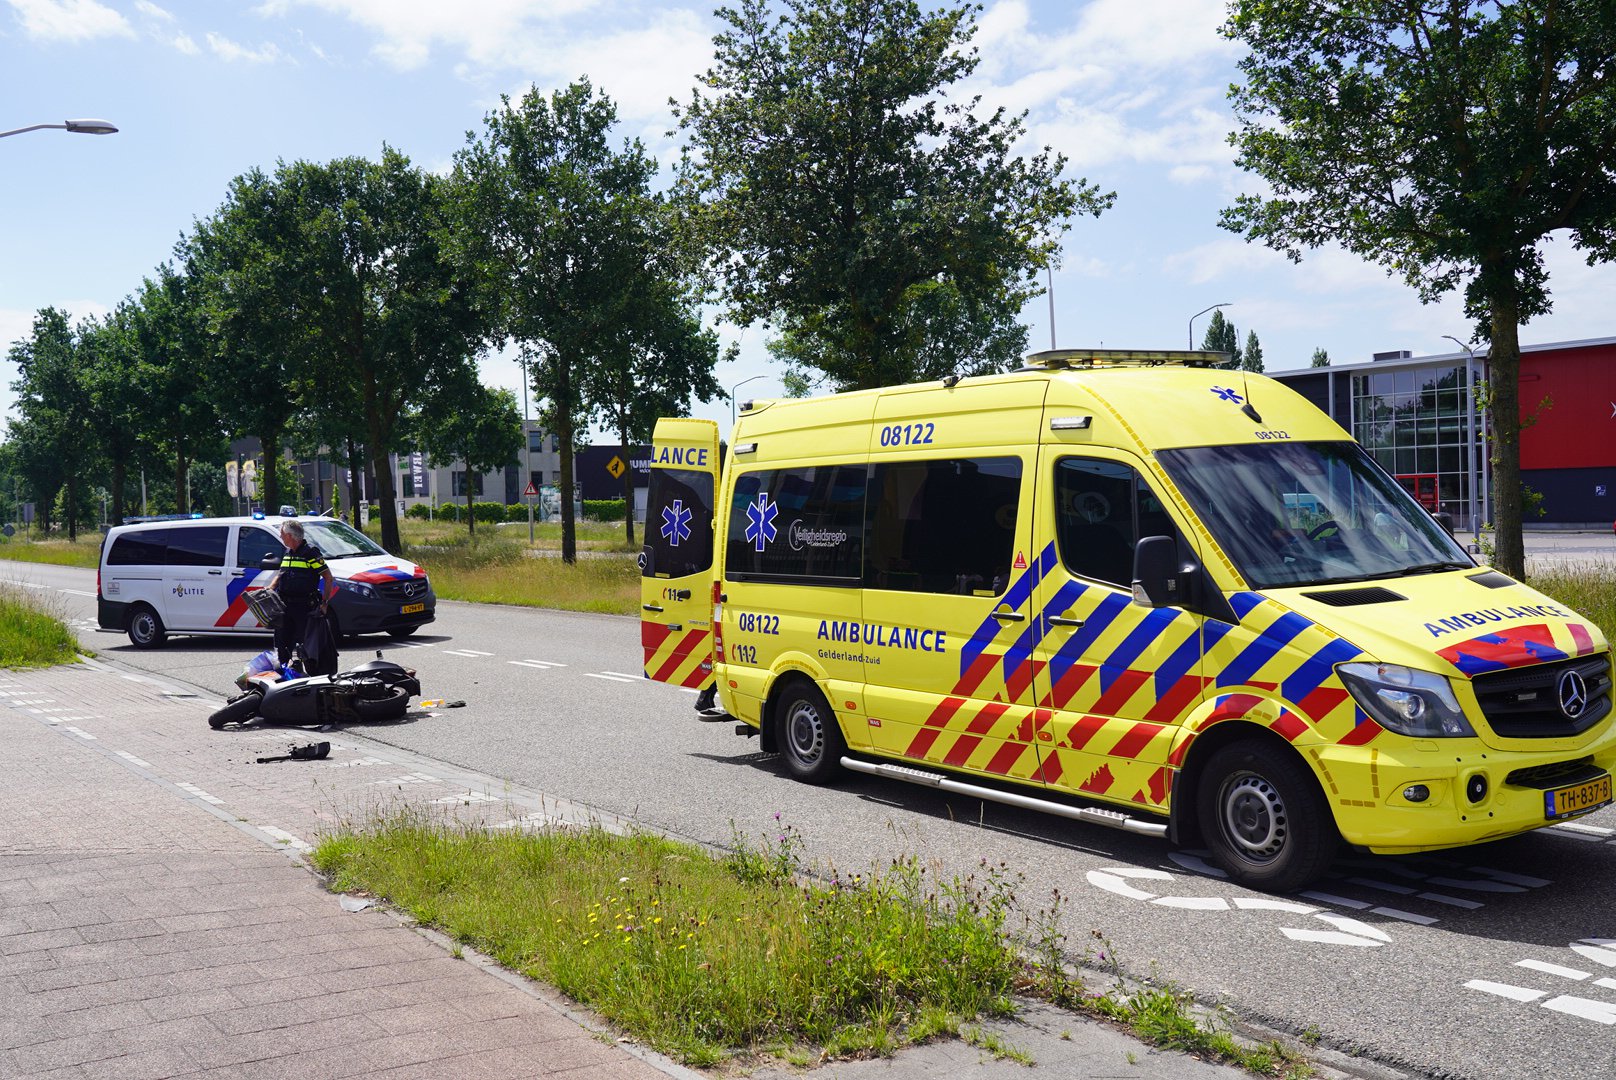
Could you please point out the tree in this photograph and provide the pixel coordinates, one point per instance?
(55, 436)
(474, 423)
(1320, 357)
(173, 376)
(1446, 141)
(1222, 337)
(886, 232)
(545, 214)
(391, 322)
(119, 414)
(1251, 357)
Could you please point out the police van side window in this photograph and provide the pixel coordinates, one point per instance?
(679, 523)
(946, 526)
(144, 548)
(801, 526)
(199, 546)
(1102, 509)
(253, 544)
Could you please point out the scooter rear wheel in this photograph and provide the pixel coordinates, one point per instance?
(391, 707)
(237, 711)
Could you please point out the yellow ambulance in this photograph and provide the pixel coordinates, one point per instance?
(1125, 587)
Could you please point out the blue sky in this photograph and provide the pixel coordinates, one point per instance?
(1131, 91)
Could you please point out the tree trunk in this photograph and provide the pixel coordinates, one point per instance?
(120, 476)
(182, 472)
(355, 471)
(1504, 401)
(386, 502)
(72, 508)
(471, 488)
(563, 411)
(270, 439)
(628, 476)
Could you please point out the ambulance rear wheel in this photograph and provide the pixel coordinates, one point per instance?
(809, 738)
(1264, 817)
(145, 628)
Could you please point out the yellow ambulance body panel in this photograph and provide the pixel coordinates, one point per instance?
(1135, 583)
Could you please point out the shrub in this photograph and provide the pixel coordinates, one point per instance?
(490, 513)
(517, 512)
(604, 509)
(420, 512)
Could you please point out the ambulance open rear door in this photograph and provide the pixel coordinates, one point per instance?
(676, 564)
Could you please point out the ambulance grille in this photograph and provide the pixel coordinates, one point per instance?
(1373, 594)
(1524, 703)
(1559, 774)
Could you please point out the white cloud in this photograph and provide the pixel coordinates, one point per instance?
(185, 44)
(69, 20)
(152, 11)
(232, 52)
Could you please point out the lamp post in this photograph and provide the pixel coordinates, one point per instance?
(1472, 466)
(736, 387)
(78, 127)
(1203, 311)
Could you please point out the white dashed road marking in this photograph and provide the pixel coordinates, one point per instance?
(611, 678)
(541, 665)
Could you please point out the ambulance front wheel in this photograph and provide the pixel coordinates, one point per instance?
(809, 738)
(1264, 817)
(145, 628)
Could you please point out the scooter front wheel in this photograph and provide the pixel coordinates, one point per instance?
(237, 711)
(391, 707)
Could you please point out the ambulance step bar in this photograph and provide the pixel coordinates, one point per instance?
(1111, 819)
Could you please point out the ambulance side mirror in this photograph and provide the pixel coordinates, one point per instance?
(1158, 578)
(270, 562)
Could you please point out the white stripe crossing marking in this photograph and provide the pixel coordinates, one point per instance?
(1338, 901)
(1328, 937)
(1596, 952)
(1601, 1012)
(609, 678)
(1478, 885)
(79, 732)
(34, 701)
(626, 675)
(199, 793)
(1193, 903)
(1608, 984)
(1574, 834)
(78, 592)
(1353, 926)
(415, 644)
(476, 652)
(1383, 886)
(468, 654)
(1514, 993)
(1262, 903)
(541, 665)
(127, 756)
(1405, 916)
(1451, 901)
(1577, 826)
(1522, 880)
(285, 837)
(1554, 969)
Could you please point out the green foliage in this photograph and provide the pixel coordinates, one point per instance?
(1251, 356)
(1221, 337)
(31, 635)
(490, 513)
(476, 425)
(419, 512)
(1446, 141)
(55, 439)
(1320, 357)
(887, 233)
(518, 511)
(605, 509)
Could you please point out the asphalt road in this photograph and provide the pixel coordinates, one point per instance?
(1489, 962)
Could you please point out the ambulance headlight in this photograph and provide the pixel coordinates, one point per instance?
(1410, 702)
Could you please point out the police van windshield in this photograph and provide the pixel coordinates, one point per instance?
(1294, 513)
(337, 540)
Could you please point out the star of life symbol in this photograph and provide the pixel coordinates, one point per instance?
(1227, 395)
(676, 523)
(760, 522)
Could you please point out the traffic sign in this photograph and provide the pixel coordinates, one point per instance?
(616, 467)
(531, 491)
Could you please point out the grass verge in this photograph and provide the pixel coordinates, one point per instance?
(1587, 590)
(710, 957)
(85, 551)
(30, 634)
(501, 571)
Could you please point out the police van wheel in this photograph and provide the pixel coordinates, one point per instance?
(808, 736)
(1264, 818)
(145, 628)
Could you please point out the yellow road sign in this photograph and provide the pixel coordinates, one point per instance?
(616, 467)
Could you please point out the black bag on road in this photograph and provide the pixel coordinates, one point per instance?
(319, 645)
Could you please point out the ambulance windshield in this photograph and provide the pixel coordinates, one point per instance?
(1294, 513)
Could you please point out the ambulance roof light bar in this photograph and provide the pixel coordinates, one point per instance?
(1057, 359)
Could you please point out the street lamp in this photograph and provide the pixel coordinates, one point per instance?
(1198, 314)
(1472, 466)
(79, 127)
(732, 390)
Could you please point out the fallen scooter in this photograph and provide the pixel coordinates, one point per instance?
(377, 690)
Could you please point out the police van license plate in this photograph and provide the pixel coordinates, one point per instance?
(1577, 799)
(411, 609)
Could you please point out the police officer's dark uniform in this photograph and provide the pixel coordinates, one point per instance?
(300, 585)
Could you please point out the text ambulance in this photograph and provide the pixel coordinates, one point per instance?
(1127, 588)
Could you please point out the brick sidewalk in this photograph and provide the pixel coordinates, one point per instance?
(152, 924)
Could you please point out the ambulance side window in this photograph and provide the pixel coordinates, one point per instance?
(253, 544)
(679, 523)
(1102, 509)
(943, 526)
(799, 526)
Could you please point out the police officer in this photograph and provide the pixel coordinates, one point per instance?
(304, 582)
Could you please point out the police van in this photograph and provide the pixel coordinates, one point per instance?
(190, 576)
(1128, 588)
